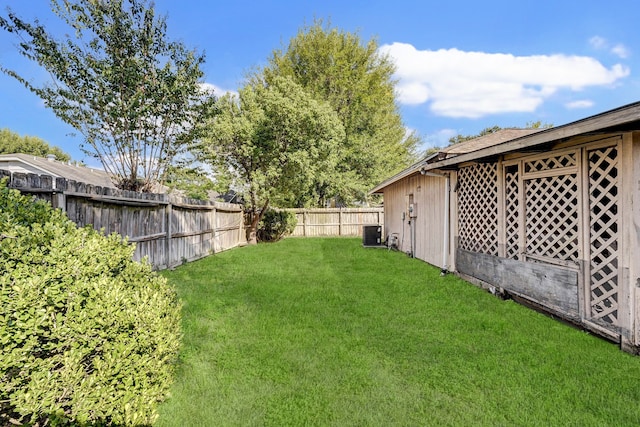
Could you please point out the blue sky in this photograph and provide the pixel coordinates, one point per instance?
(462, 65)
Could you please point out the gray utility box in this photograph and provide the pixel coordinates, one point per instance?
(371, 235)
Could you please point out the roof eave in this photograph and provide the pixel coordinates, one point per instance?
(627, 114)
(411, 170)
(607, 120)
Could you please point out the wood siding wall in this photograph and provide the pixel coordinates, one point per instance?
(428, 195)
(565, 236)
(167, 230)
(335, 222)
(558, 228)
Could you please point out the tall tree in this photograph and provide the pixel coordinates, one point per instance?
(11, 142)
(276, 141)
(357, 81)
(134, 96)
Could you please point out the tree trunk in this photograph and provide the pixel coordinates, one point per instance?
(252, 238)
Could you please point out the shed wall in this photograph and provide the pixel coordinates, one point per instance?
(569, 209)
(560, 228)
(428, 195)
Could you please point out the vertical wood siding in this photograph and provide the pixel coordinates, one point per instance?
(428, 198)
(558, 228)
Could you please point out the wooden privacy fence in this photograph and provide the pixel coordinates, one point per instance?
(335, 222)
(166, 229)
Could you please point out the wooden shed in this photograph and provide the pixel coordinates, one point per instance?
(548, 216)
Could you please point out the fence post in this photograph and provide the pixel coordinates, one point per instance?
(304, 223)
(340, 222)
(58, 201)
(242, 236)
(169, 211)
(214, 220)
(59, 198)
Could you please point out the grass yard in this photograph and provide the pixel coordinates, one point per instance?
(323, 332)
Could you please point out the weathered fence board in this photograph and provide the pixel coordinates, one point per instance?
(335, 221)
(167, 230)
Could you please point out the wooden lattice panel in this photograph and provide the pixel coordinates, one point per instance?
(478, 208)
(603, 208)
(549, 163)
(512, 206)
(552, 217)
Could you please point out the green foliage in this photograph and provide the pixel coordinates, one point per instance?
(88, 336)
(276, 224)
(338, 67)
(277, 141)
(134, 96)
(192, 181)
(11, 142)
(538, 125)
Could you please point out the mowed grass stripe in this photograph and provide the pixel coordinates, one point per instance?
(326, 332)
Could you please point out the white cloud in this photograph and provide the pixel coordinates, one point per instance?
(620, 50)
(600, 43)
(217, 90)
(474, 84)
(440, 138)
(583, 103)
(408, 131)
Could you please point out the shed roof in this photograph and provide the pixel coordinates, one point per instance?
(488, 140)
(457, 149)
(625, 118)
(59, 169)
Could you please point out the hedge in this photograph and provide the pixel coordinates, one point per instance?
(88, 336)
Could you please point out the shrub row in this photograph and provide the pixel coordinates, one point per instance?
(88, 336)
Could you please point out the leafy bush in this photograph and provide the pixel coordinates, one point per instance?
(88, 336)
(275, 224)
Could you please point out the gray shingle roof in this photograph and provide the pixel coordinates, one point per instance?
(56, 169)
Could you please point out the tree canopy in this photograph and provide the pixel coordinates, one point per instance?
(11, 142)
(133, 95)
(276, 141)
(350, 74)
(192, 180)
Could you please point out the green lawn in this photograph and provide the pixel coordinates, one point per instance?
(323, 332)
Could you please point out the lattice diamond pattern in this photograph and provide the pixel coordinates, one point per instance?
(549, 163)
(603, 204)
(478, 208)
(552, 217)
(512, 202)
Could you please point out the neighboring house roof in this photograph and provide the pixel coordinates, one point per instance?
(25, 163)
(625, 118)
